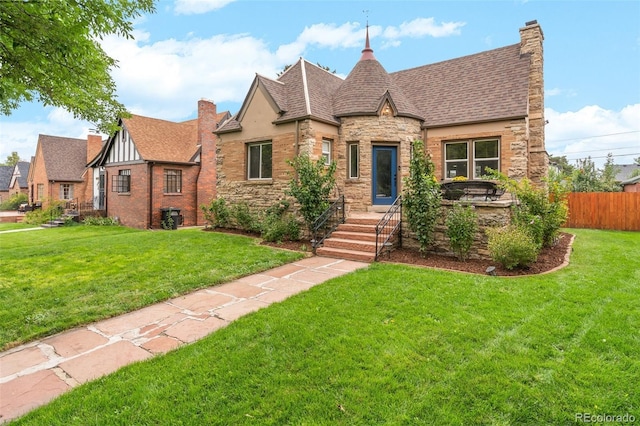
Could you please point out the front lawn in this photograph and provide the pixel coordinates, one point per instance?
(12, 226)
(55, 279)
(395, 344)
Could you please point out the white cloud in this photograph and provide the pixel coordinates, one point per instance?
(422, 27)
(594, 131)
(194, 7)
(22, 136)
(164, 79)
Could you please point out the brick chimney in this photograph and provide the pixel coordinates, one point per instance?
(531, 40)
(207, 113)
(94, 145)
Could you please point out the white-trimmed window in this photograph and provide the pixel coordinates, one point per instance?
(259, 159)
(172, 181)
(40, 191)
(122, 181)
(354, 160)
(66, 191)
(471, 158)
(326, 151)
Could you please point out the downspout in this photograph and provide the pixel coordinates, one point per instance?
(150, 195)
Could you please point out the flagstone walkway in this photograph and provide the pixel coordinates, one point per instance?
(33, 374)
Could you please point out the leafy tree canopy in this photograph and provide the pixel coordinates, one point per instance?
(50, 52)
(12, 159)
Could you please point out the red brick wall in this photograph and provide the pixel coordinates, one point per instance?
(206, 180)
(132, 209)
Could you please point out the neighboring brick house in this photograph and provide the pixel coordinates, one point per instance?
(5, 179)
(477, 111)
(153, 164)
(18, 183)
(57, 171)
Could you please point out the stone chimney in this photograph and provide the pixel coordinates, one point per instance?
(207, 114)
(531, 41)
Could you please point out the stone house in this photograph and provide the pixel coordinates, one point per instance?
(57, 170)
(476, 111)
(153, 166)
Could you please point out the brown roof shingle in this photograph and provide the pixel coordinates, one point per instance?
(160, 140)
(64, 158)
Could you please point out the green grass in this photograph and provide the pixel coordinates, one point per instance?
(395, 344)
(13, 226)
(55, 279)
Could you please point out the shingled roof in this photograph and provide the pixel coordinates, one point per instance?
(486, 86)
(161, 140)
(64, 158)
(5, 177)
(23, 173)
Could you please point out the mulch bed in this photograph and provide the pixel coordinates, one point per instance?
(549, 258)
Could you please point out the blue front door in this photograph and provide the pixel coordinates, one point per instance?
(385, 175)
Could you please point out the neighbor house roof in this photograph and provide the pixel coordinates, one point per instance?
(486, 86)
(624, 171)
(5, 177)
(64, 158)
(23, 172)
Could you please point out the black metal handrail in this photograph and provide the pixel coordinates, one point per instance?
(388, 226)
(327, 222)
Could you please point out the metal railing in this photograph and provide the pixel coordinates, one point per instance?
(389, 229)
(327, 222)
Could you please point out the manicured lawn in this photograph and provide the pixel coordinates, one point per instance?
(14, 226)
(55, 279)
(396, 344)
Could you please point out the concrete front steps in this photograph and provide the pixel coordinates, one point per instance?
(353, 240)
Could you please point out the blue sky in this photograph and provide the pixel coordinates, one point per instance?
(193, 49)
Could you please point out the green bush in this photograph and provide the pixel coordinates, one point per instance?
(14, 202)
(311, 186)
(38, 217)
(278, 225)
(242, 217)
(512, 247)
(461, 227)
(217, 213)
(421, 198)
(100, 221)
(532, 224)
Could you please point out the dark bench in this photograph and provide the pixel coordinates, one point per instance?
(471, 189)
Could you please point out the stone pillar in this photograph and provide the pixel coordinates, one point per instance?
(531, 41)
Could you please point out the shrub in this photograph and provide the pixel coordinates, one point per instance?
(461, 227)
(216, 213)
(100, 221)
(14, 202)
(512, 247)
(278, 225)
(311, 186)
(40, 216)
(421, 199)
(549, 204)
(243, 218)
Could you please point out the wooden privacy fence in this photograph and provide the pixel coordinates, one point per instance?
(604, 210)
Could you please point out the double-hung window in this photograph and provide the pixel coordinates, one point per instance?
(354, 160)
(66, 191)
(172, 181)
(259, 158)
(326, 151)
(471, 158)
(122, 181)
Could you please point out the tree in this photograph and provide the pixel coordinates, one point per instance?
(50, 52)
(562, 164)
(12, 159)
(637, 161)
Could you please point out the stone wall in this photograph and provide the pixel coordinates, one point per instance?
(490, 214)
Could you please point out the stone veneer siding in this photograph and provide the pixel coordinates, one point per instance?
(367, 132)
(513, 147)
(490, 214)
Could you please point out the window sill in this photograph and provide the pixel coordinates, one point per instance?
(259, 182)
(172, 194)
(124, 194)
